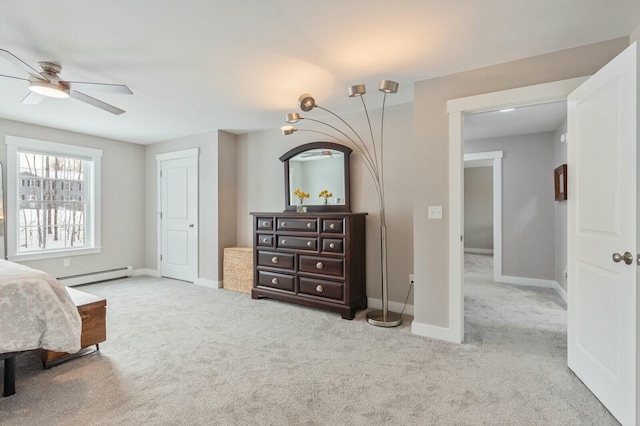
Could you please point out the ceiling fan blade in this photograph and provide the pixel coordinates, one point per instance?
(11, 76)
(22, 65)
(95, 102)
(100, 87)
(33, 98)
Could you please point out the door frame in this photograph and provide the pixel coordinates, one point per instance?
(186, 153)
(457, 108)
(495, 158)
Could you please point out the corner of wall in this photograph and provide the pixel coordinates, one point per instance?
(635, 36)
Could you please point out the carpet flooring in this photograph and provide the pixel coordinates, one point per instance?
(178, 354)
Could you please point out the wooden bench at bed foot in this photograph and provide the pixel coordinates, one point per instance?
(93, 310)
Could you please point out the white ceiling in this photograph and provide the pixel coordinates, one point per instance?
(240, 65)
(520, 121)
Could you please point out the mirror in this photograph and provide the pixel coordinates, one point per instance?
(316, 167)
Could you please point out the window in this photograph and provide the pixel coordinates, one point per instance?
(53, 199)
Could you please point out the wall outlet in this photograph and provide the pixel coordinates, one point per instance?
(411, 281)
(66, 261)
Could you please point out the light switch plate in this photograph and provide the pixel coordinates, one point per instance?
(435, 212)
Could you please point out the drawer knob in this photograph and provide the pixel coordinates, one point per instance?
(265, 240)
(309, 243)
(319, 265)
(319, 288)
(284, 242)
(332, 245)
(265, 223)
(274, 281)
(309, 224)
(274, 259)
(331, 226)
(284, 224)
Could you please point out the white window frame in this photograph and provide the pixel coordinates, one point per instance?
(93, 240)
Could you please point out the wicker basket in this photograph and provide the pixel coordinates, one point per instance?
(237, 272)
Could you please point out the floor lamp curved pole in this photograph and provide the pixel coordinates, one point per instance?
(374, 162)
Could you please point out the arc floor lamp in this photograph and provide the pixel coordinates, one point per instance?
(372, 155)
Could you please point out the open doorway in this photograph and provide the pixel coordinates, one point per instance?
(457, 109)
(511, 221)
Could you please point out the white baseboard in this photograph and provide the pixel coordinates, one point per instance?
(478, 250)
(149, 272)
(561, 291)
(534, 282)
(434, 332)
(202, 282)
(393, 306)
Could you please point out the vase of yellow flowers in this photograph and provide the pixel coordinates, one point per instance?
(301, 208)
(326, 195)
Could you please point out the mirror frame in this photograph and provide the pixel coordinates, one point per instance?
(346, 207)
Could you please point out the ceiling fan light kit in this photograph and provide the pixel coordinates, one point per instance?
(48, 89)
(47, 83)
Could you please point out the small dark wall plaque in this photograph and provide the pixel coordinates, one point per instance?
(560, 180)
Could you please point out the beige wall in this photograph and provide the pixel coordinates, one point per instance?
(227, 195)
(123, 194)
(430, 155)
(635, 36)
(216, 168)
(261, 188)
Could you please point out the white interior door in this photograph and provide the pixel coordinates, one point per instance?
(602, 196)
(179, 209)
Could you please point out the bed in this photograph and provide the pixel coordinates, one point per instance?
(36, 312)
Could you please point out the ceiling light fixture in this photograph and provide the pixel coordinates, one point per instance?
(372, 155)
(48, 89)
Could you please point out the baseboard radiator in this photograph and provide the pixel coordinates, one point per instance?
(93, 277)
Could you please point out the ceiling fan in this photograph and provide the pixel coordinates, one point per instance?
(47, 83)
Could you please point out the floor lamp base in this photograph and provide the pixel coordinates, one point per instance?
(377, 318)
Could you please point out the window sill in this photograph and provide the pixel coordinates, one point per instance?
(53, 254)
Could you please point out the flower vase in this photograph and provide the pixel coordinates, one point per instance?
(301, 208)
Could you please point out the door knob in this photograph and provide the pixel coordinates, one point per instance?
(627, 257)
(191, 225)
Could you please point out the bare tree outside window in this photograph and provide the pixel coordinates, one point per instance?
(52, 202)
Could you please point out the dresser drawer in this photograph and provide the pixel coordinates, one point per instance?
(298, 243)
(281, 281)
(321, 288)
(275, 260)
(322, 265)
(333, 225)
(333, 245)
(289, 224)
(265, 240)
(264, 223)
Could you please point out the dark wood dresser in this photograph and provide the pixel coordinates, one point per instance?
(313, 259)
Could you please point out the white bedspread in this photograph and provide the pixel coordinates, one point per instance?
(36, 311)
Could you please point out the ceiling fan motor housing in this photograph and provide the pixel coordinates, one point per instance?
(50, 68)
